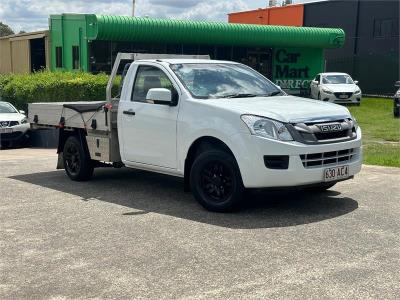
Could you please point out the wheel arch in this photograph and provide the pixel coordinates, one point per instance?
(199, 145)
(63, 135)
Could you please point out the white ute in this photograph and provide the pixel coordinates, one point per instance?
(219, 124)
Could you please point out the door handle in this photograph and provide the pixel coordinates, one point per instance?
(129, 112)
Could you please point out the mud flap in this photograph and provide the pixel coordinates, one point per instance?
(60, 161)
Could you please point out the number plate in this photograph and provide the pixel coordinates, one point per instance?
(336, 173)
(6, 130)
(343, 96)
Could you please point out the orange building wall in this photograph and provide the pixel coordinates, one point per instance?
(291, 15)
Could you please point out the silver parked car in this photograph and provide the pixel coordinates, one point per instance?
(336, 88)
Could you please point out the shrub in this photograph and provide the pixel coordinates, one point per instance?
(21, 89)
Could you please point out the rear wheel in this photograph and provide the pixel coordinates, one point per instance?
(77, 162)
(396, 112)
(216, 182)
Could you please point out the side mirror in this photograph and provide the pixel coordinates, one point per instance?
(315, 82)
(22, 112)
(397, 84)
(356, 82)
(159, 96)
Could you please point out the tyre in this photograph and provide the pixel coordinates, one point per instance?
(216, 182)
(396, 112)
(77, 162)
(322, 187)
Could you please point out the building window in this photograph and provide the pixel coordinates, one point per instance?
(59, 60)
(384, 28)
(75, 58)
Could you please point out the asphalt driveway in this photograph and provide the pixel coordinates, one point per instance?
(133, 234)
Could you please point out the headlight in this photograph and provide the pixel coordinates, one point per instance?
(327, 91)
(24, 121)
(358, 91)
(267, 128)
(398, 93)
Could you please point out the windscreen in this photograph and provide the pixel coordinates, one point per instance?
(210, 81)
(337, 79)
(6, 108)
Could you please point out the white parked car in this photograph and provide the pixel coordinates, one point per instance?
(220, 125)
(14, 125)
(336, 88)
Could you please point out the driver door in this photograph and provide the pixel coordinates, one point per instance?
(149, 129)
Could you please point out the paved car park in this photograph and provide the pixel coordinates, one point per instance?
(132, 234)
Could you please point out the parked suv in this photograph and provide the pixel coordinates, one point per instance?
(14, 125)
(336, 88)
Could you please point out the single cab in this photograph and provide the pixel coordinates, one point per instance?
(219, 124)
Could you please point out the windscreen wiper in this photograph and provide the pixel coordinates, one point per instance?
(274, 93)
(239, 96)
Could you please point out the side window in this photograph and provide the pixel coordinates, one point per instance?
(149, 77)
(59, 63)
(75, 57)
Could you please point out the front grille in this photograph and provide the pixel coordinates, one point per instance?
(328, 158)
(4, 124)
(331, 135)
(343, 96)
(337, 130)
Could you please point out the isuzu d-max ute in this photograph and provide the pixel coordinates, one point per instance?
(220, 125)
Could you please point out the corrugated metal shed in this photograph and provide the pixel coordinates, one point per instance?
(120, 28)
(15, 52)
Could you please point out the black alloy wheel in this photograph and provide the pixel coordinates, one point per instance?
(77, 162)
(72, 159)
(216, 181)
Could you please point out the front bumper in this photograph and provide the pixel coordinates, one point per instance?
(18, 132)
(354, 99)
(250, 157)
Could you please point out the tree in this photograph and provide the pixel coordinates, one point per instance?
(5, 30)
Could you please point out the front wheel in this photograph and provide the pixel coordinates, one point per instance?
(77, 162)
(216, 181)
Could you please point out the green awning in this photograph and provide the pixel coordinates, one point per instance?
(132, 29)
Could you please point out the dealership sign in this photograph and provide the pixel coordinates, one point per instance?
(293, 69)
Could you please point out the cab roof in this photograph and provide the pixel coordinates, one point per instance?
(187, 61)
